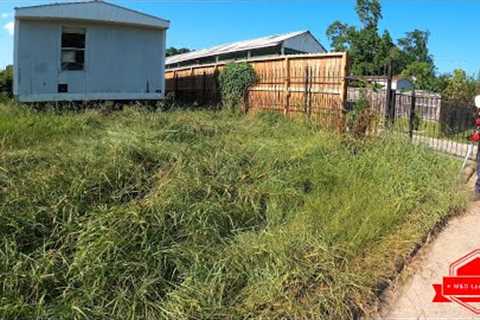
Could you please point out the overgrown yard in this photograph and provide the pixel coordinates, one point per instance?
(205, 215)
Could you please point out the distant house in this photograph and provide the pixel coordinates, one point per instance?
(399, 83)
(90, 50)
(275, 45)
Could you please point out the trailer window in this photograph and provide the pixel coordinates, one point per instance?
(73, 49)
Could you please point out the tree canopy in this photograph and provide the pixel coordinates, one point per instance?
(369, 12)
(460, 87)
(174, 51)
(6, 79)
(372, 52)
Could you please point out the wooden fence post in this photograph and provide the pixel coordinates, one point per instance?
(204, 87)
(287, 86)
(175, 84)
(193, 93)
(341, 126)
(305, 93)
(246, 100)
(217, 96)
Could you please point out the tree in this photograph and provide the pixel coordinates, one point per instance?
(6, 79)
(371, 52)
(369, 12)
(340, 35)
(460, 87)
(367, 49)
(174, 51)
(417, 60)
(441, 82)
(415, 46)
(386, 53)
(423, 73)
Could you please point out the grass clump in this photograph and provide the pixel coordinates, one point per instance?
(205, 215)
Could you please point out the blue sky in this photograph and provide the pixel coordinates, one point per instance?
(454, 24)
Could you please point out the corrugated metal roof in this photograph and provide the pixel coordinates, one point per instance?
(94, 10)
(264, 42)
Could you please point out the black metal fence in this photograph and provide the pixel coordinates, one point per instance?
(424, 117)
(443, 125)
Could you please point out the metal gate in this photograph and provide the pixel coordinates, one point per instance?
(428, 119)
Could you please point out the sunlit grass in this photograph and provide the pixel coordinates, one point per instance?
(205, 215)
(434, 129)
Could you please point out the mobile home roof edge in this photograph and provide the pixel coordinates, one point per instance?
(165, 21)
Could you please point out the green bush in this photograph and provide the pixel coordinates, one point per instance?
(6, 80)
(234, 81)
(5, 98)
(361, 118)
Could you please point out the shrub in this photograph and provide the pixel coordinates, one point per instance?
(4, 98)
(6, 80)
(460, 88)
(234, 81)
(361, 118)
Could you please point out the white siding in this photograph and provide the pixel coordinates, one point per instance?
(36, 58)
(120, 60)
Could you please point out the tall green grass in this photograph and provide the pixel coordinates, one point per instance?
(205, 215)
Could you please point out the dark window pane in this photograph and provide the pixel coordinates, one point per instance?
(73, 49)
(73, 40)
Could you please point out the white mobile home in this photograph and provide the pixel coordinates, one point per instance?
(83, 51)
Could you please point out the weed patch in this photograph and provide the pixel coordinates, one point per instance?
(205, 215)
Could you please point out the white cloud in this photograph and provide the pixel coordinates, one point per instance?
(9, 27)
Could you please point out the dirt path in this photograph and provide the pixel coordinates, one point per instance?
(413, 299)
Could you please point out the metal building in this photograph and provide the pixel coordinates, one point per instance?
(275, 45)
(83, 51)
